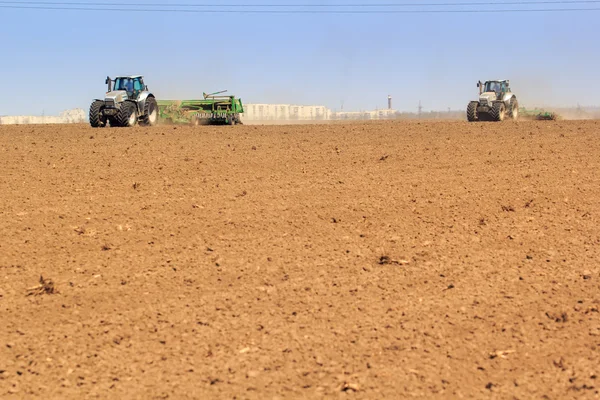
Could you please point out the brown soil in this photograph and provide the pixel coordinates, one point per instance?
(382, 260)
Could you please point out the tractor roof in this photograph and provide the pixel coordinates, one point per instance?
(129, 76)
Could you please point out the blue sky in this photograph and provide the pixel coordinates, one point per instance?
(56, 60)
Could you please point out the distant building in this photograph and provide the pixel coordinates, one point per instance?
(292, 112)
(285, 112)
(74, 116)
(365, 115)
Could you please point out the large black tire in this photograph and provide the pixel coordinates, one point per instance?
(513, 113)
(472, 111)
(127, 115)
(498, 111)
(230, 120)
(97, 118)
(150, 117)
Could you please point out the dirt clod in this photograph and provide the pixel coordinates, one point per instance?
(349, 387)
(46, 286)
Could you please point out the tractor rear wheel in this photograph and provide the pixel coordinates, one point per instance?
(514, 109)
(150, 117)
(498, 111)
(97, 118)
(127, 115)
(472, 111)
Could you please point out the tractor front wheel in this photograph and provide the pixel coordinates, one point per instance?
(472, 111)
(498, 111)
(97, 118)
(127, 115)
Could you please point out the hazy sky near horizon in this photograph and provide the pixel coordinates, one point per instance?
(54, 60)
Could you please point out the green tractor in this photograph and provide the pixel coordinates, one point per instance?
(126, 103)
(211, 110)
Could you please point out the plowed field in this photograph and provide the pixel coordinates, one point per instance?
(380, 260)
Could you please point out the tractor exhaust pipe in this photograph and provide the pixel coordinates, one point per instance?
(480, 86)
(109, 83)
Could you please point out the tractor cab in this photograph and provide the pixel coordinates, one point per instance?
(498, 87)
(133, 85)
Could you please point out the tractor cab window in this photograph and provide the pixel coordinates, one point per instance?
(493, 87)
(138, 85)
(124, 84)
(130, 85)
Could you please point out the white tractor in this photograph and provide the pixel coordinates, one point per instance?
(496, 103)
(127, 103)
